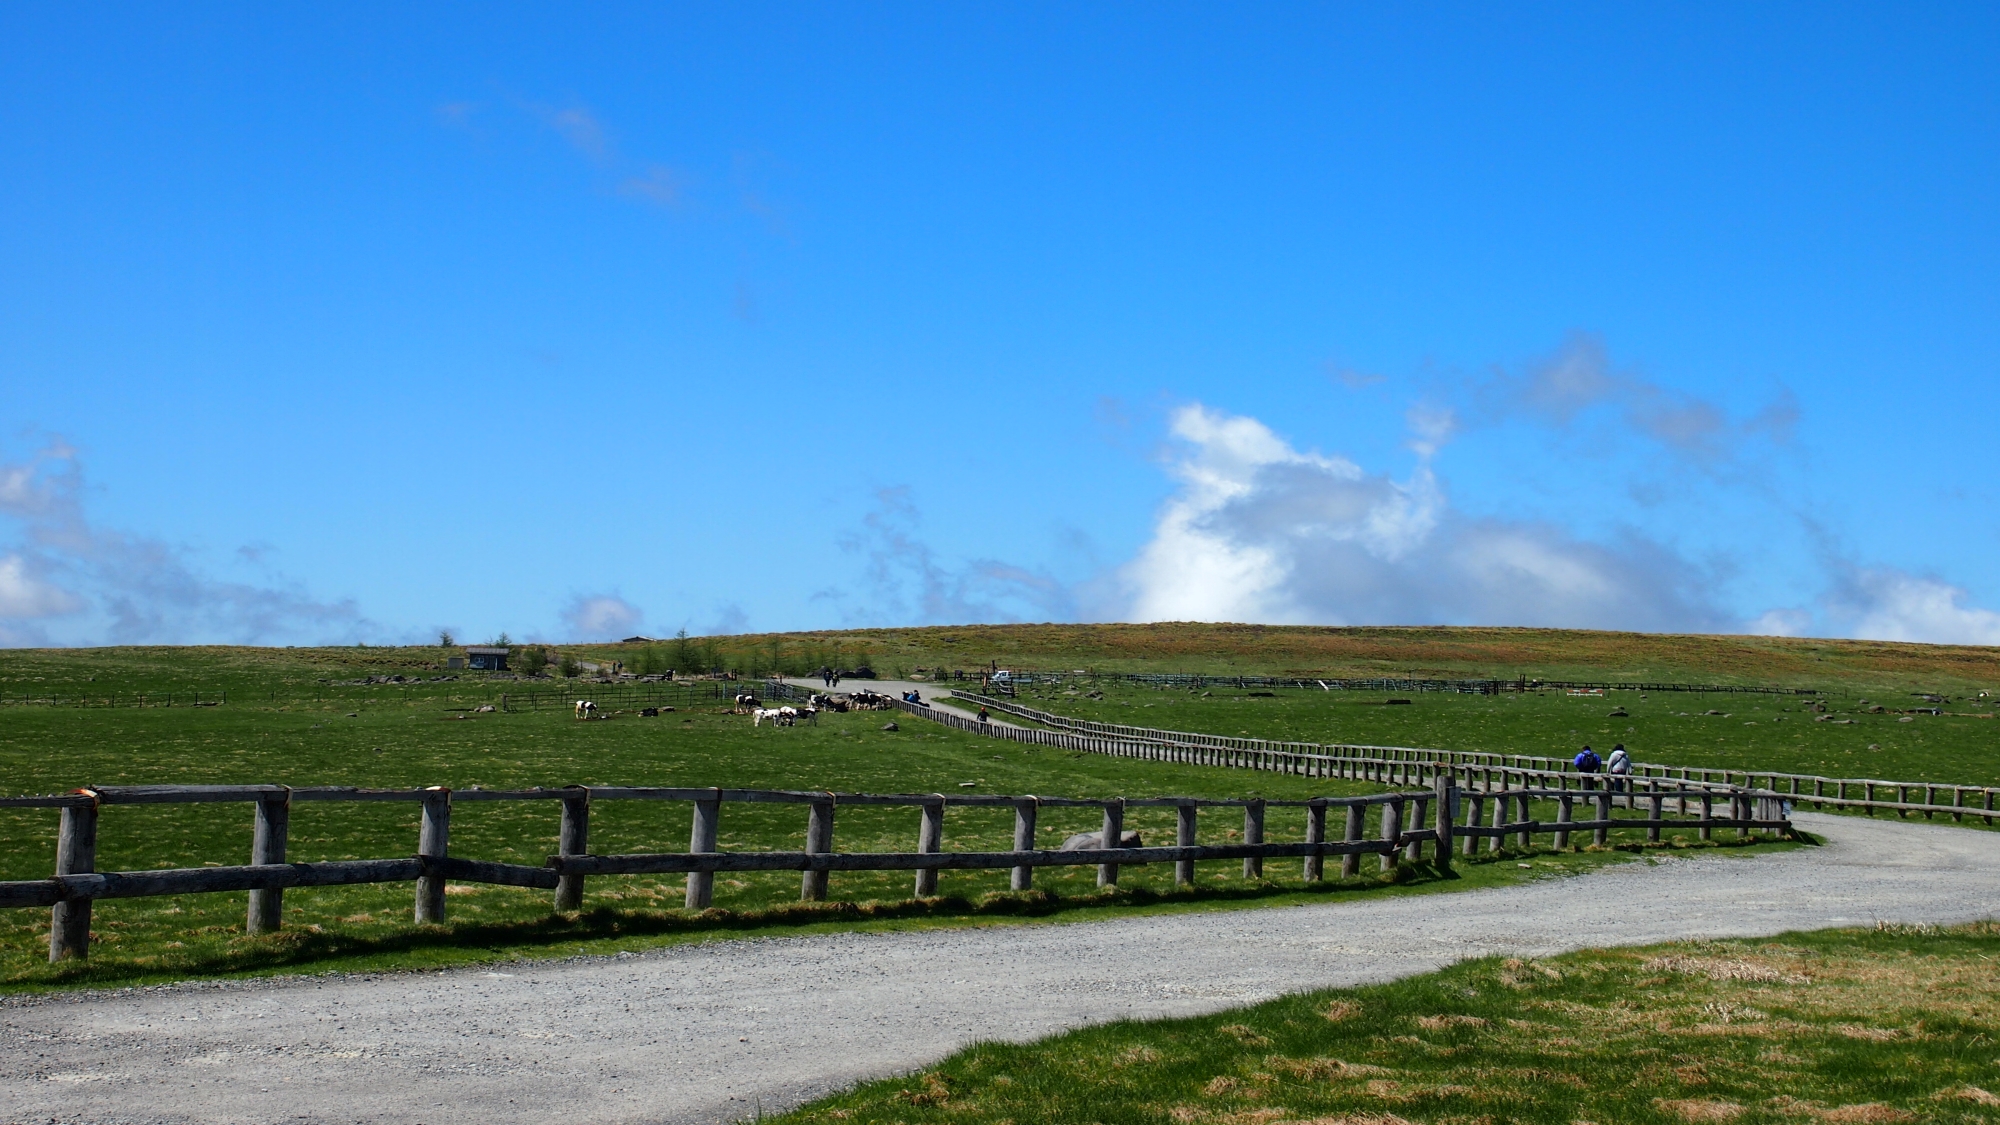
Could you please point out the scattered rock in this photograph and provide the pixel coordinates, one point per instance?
(1874, 746)
(1620, 713)
(484, 708)
(1907, 719)
(890, 726)
(1395, 703)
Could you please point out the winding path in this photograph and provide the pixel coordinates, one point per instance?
(711, 1033)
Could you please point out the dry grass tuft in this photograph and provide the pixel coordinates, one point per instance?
(1323, 1069)
(1721, 969)
(1971, 1094)
(1693, 1110)
(1446, 1023)
(1867, 1113)
(1244, 1034)
(1340, 1010)
(935, 1092)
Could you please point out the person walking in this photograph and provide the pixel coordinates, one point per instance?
(983, 716)
(1587, 761)
(1619, 766)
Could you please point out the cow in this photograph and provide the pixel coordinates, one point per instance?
(745, 701)
(775, 714)
(585, 709)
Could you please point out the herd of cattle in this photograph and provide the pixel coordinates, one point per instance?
(747, 704)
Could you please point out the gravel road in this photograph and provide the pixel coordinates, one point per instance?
(709, 1033)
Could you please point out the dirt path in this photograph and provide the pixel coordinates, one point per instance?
(709, 1033)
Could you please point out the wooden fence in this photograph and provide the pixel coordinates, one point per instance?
(1479, 767)
(1450, 813)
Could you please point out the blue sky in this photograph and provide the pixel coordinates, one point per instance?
(350, 323)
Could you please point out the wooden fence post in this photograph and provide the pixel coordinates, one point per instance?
(1527, 836)
(1475, 806)
(1708, 814)
(434, 841)
(1601, 835)
(1392, 831)
(1357, 816)
(1501, 802)
(1656, 812)
(1025, 812)
(1742, 807)
(701, 839)
(1445, 793)
(573, 838)
(930, 838)
(819, 840)
(1253, 833)
(76, 854)
(1315, 865)
(1184, 837)
(1415, 850)
(267, 845)
(1564, 815)
(1114, 832)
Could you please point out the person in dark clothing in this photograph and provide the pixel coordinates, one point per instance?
(1588, 761)
(983, 717)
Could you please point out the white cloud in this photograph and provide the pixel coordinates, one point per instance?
(1790, 622)
(1261, 531)
(601, 617)
(1885, 604)
(22, 595)
(130, 588)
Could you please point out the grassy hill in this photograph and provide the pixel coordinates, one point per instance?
(1440, 651)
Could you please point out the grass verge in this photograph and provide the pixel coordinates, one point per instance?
(1889, 1025)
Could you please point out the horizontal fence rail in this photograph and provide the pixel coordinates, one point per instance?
(1437, 816)
(1478, 767)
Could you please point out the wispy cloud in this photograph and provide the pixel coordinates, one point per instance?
(580, 127)
(908, 581)
(1579, 378)
(103, 584)
(601, 617)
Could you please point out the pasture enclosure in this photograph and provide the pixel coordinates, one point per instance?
(1481, 767)
(1449, 814)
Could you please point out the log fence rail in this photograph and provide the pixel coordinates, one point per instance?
(1451, 815)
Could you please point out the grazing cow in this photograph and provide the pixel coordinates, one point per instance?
(745, 701)
(585, 709)
(775, 714)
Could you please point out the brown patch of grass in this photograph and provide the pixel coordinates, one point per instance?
(1688, 1109)
(1724, 968)
(1244, 1034)
(1866, 1113)
(1446, 1023)
(1323, 1069)
(1340, 1010)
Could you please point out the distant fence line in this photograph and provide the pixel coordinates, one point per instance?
(1198, 680)
(1475, 765)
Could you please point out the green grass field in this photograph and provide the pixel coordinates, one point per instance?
(429, 738)
(1839, 1026)
(295, 717)
(1753, 731)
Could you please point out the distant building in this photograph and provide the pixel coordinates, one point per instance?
(486, 658)
(454, 663)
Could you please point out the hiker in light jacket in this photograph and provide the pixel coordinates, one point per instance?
(1619, 766)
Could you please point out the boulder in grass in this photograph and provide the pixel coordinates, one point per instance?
(890, 726)
(1093, 841)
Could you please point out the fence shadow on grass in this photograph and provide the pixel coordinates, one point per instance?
(464, 944)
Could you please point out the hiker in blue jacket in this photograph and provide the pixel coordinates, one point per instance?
(1588, 761)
